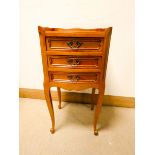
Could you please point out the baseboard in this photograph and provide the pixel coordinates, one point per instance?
(109, 100)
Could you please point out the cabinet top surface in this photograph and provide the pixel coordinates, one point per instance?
(73, 32)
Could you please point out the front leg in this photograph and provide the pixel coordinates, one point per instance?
(98, 110)
(50, 106)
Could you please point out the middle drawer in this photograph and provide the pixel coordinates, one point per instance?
(73, 77)
(72, 61)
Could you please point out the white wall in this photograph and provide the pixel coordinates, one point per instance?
(84, 14)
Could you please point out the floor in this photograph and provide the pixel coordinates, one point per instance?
(74, 132)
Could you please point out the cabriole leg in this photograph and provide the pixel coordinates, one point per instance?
(98, 110)
(50, 107)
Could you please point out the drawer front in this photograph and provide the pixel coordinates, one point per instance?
(70, 61)
(73, 77)
(73, 43)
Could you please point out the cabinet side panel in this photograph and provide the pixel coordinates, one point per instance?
(43, 54)
(106, 46)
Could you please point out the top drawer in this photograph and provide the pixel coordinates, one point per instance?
(53, 43)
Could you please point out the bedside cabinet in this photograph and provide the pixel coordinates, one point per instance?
(74, 59)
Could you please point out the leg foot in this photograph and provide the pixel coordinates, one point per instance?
(96, 132)
(59, 106)
(52, 130)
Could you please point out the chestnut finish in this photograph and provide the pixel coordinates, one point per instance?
(74, 59)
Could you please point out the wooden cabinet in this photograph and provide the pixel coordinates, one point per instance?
(74, 59)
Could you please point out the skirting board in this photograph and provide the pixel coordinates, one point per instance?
(121, 101)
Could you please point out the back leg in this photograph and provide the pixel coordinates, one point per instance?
(93, 98)
(59, 97)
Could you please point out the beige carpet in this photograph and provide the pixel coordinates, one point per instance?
(74, 132)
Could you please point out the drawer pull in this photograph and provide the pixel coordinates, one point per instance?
(77, 61)
(77, 78)
(74, 44)
(73, 61)
(73, 78)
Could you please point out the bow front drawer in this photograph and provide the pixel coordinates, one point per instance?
(73, 77)
(74, 62)
(73, 43)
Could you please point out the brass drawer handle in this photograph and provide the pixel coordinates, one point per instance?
(73, 78)
(73, 61)
(77, 61)
(77, 78)
(74, 44)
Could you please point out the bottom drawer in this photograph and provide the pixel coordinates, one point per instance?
(73, 77)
